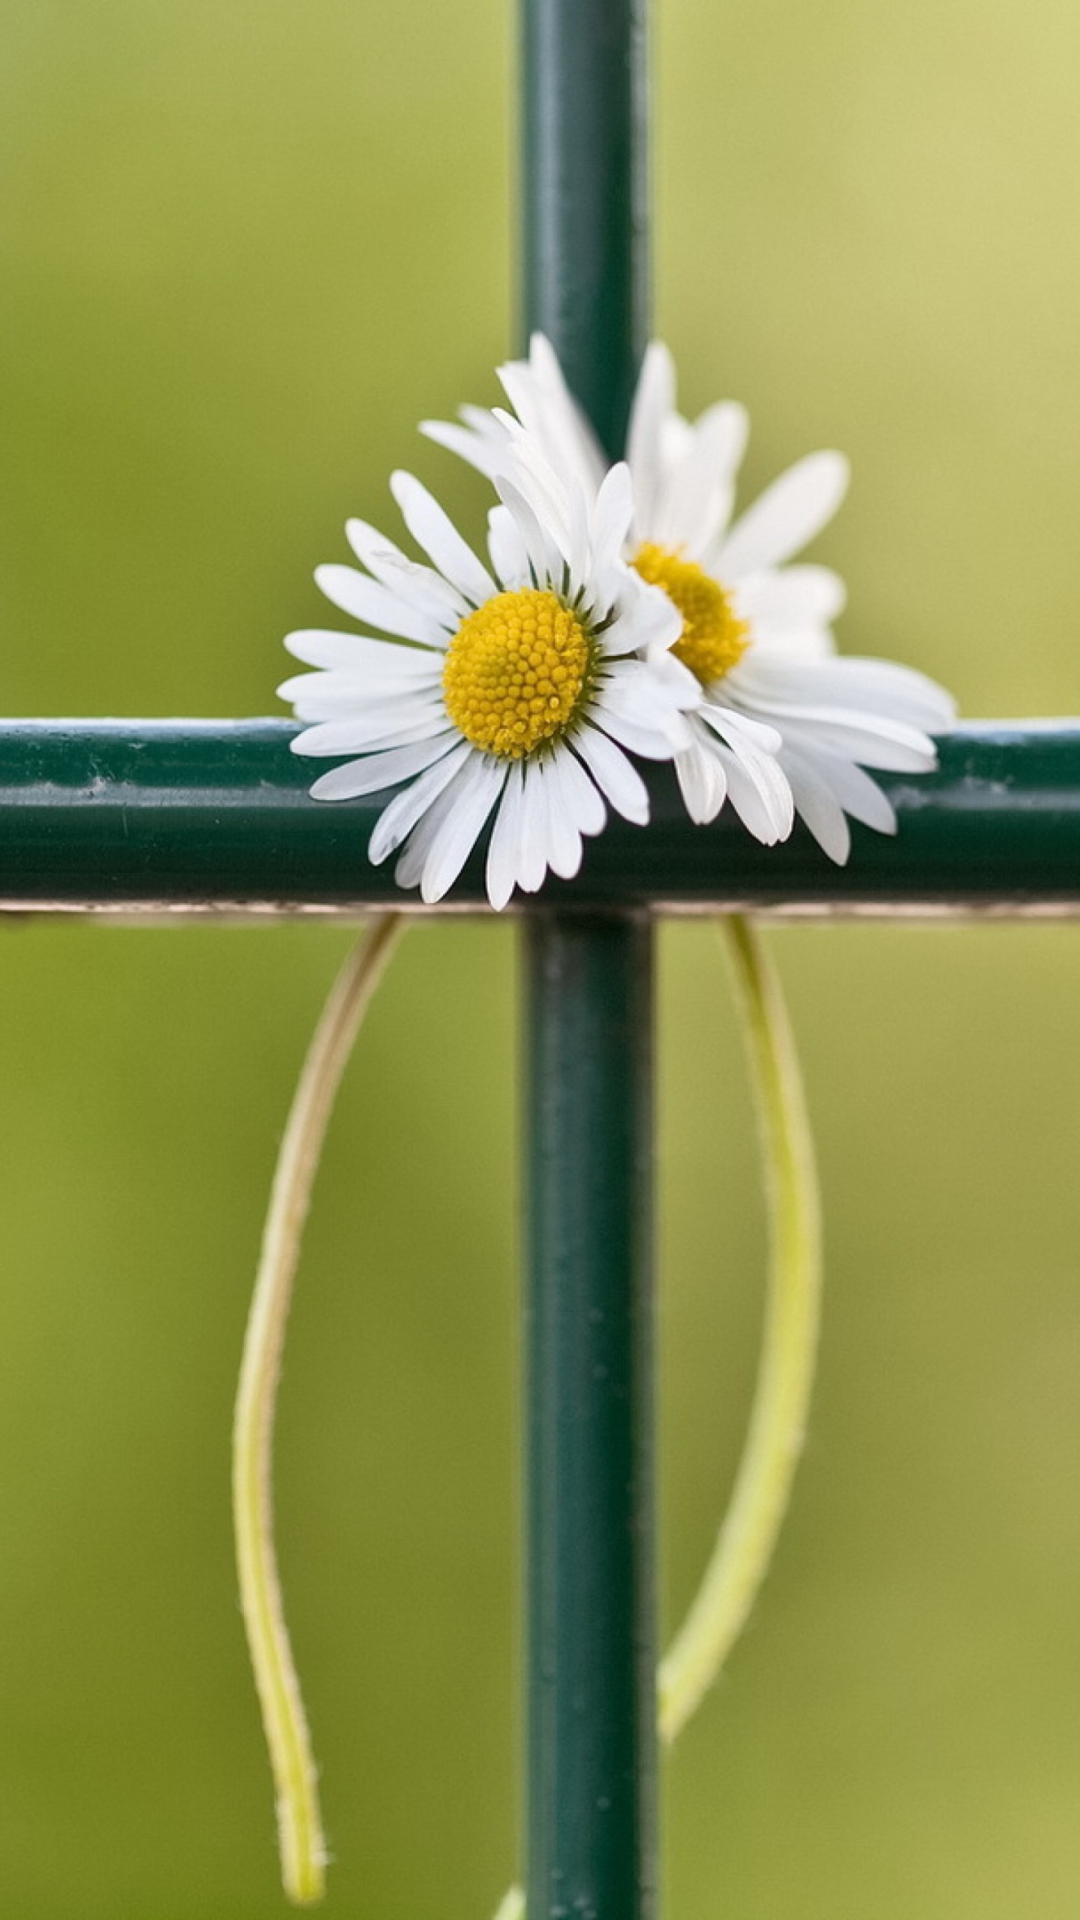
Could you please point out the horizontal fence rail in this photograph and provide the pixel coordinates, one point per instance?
(160, 815)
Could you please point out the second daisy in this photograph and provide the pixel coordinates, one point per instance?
(784, 724)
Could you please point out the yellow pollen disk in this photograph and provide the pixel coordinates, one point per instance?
(713, 639)
(516, 671)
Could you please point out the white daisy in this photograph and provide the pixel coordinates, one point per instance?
(515, 690)
(785, 726)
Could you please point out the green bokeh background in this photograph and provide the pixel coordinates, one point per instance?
(245, 248)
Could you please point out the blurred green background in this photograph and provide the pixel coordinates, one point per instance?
(245, 248)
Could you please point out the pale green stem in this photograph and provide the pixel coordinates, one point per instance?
(747, 1536)
(512, 1905)
(300, 1835)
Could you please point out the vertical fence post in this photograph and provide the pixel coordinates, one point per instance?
(591, 1815)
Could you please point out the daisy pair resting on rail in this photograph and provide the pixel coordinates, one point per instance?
(620, 614)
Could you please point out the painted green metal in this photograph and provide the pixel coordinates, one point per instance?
(590, 1630)
(591, 1656)
(135, 814)
(584, 196)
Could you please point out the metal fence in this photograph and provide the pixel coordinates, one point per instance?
(177, 817)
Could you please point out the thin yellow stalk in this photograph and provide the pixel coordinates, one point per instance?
(300, 1834)
(747, 1536)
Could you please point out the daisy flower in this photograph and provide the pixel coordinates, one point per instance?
(514, 689)
(784, 725)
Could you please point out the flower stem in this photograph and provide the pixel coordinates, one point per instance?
(299, 1825)
(747, 1536)
(512, 1905)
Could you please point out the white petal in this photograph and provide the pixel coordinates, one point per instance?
(373, 712)
(766, 809)
(816, 803)
(674, 683)
(366, 600)
(637, 737)
(631, 693)
(482, 421)
(536, 481)
(725, 428)
(880, 687)
(521, 389)
(767, 773)
(461, 828)
(559, 500)
(702, 781)
(867, 737)
(787, 515)
(614, 774)
(573, 426)
(796, 597)
(694, 500)
(502, 861)
(353, 690)
(367, 718)
(421, 586)
(545, 559)
(509, 553)
(411, 862)
(759, 783)
(734, 726)
(579, 795)
(676, 440)
(857, 793)
(397, 820)
(583, 574)
(359, 734)
(360, 653)
(564, 838)
(380, 770)
(612, 515)
(627, 698)
(433, 529)
(884, 686)
(792, 646)
(653, 401)
(480, 450)
(532, 859)
(546, 408)
(645, 619)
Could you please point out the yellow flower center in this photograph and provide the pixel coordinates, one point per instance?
(713, 639)
(516, 672)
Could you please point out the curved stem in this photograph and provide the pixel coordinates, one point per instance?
(299, 1826)
(748, 1534)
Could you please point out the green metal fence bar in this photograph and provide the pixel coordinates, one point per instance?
(145, 813)
(584, 196)
(591, 1660)
(590, 1633)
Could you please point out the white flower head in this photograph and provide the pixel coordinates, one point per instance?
(514, 689)
(784, 725)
